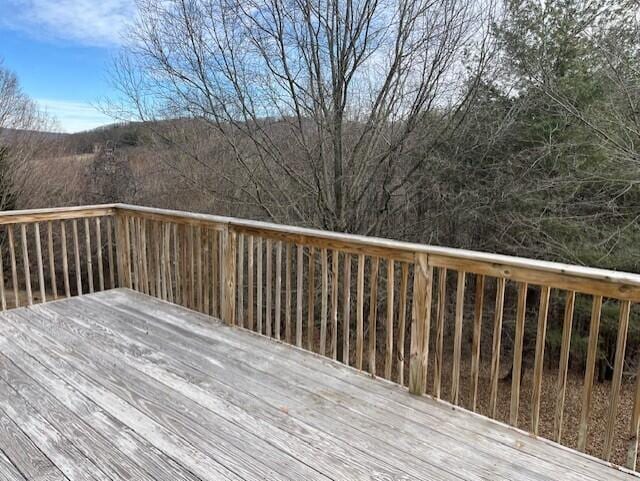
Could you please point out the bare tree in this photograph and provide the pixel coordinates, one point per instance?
(324, 107)
(22, 137)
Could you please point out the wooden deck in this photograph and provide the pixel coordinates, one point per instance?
(120, 386)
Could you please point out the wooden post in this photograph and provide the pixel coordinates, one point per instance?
(420, 324)
(229, 276)
(122, 253)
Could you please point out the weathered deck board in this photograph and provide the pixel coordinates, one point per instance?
(118, 385)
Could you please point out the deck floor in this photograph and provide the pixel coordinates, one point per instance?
(120, 386)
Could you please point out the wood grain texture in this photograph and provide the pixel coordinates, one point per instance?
(541, 334)
(441, 309)
(457, 338)
(360, 312)
(335, 281)
(495, 348)
(3, 296)
(299, 293)
(311, 300)
(420, 325)
(26, 270)
(153, 391)
(277, 326)
(373, 314)
(518, 341)
(324, 301)
(475, 346)
(564, 364)
(287, 295)
(623, 326)
(52, 261)
(402, 320)
(88, 254)
(39, 263)
(592, 348)
(65, 259)
(388, 358)
(14, 268)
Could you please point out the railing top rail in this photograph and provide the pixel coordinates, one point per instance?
(622, 285)
(55, 213)
(608, 283)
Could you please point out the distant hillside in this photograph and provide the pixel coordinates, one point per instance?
(12, 135)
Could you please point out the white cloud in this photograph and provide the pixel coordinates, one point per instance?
(74, 116)
(90, 22)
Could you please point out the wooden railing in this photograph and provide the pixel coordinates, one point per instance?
(52, 253)
(410, 313)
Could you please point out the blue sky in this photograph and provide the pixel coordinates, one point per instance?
(61, 51)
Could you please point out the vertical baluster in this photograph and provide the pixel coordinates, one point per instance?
(402, 320)
(215, 274)
(592, 354)
(323, 301)
(229, 258)
(198, 254)
(206, 254)
(221, 287)
(149, 229)
(346, 308)
(495, 350)
(287, 295)
(335, 258)
(634, 431)
(268, 292)
(457, 338)
(184, 263)
(159, 265)
(439, 344)
(250, 287)
(140, 254)
(564, 364)
(167, 260)
(539, 358)
(146, 268)
(65, 259)
(420, 325)
(131, 241)
(25, 263)
(14, 268)
(299, 294)
(259, 284)
(517, 353)
(192, 273)
(43, 296)
(112, 277)
(278, 289)
(373, 314)
(616, 381)
(52, 260)
(3, 297)
(99, 251)
(360, 312)
(76, 254)
(388, 362)
(177, 264)
(312, 299)
(87, 234)
(241, 322)
(475, 347)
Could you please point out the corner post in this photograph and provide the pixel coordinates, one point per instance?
(420, 324)
(122, 251)
(229, 276)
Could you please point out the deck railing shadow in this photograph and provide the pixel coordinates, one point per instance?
(410, 313)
